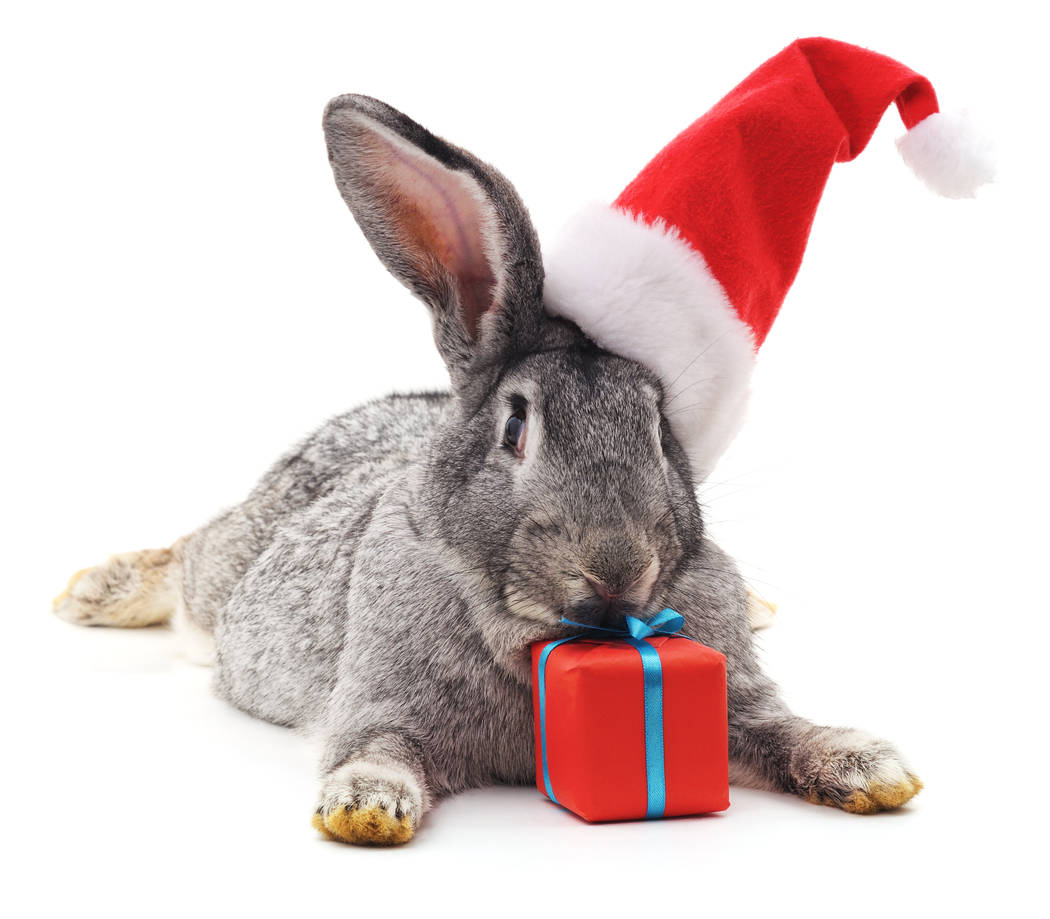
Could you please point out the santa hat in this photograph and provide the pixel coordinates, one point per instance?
(686, 272)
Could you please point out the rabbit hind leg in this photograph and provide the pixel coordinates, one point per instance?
(129, 590)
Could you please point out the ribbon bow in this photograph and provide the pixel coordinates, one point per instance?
(665, 622)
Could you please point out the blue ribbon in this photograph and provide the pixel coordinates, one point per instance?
(635, 631)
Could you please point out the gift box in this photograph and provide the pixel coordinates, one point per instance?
(631, 725)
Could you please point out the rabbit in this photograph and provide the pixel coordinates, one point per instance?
(381, 585)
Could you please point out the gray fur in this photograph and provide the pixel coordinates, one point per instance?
(381, 585)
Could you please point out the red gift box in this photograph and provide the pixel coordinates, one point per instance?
(597, 718)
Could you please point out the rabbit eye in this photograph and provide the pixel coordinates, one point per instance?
(514, 432)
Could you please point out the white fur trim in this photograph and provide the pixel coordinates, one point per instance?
(948, 154)
(642, 292)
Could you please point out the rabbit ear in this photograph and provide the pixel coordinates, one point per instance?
(450, 228)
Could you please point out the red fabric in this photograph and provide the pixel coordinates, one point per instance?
(742, 183)
(596, 728)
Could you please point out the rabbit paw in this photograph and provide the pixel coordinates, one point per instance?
(853, 771)
(369, 804)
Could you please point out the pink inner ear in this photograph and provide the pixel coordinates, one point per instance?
(440, 216)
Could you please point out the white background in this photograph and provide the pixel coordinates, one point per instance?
(184, 294)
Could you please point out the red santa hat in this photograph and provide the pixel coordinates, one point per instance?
(686, 272)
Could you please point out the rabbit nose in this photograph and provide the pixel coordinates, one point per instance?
(614, 594)
(602, 589)
(625, 587)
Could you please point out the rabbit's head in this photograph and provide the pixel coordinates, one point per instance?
(555, 474)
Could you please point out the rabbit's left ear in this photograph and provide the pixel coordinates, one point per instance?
(450, 228)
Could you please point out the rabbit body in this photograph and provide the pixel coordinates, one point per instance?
(345, 612)
(381, 585)
(329, 574)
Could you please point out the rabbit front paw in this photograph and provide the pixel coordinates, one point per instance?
(370, 804)
(852, 770)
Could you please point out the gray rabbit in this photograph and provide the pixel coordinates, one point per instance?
(381, 585)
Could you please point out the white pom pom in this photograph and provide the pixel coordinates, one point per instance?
(948, 154)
